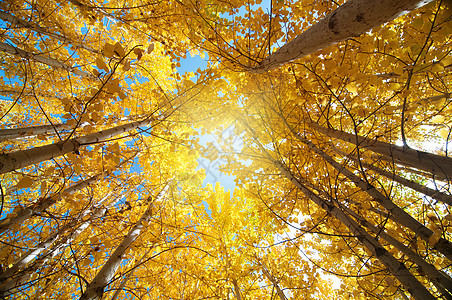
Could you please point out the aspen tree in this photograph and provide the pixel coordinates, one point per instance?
(350, 20)
(24, 158)
(435, 164)
(96, 287)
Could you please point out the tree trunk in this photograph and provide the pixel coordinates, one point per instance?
(396, 213)
(273, 281)
(440, 280)
(350, 20)
(398, 269)
(237, 293)
(23, 158)
(435, 164)
(10, 134)
(128, 276)
(45, 60)
(11, 279)
(96, 288)
(43, 204)
(440, 196)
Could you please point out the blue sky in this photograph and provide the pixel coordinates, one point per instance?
(211, 166)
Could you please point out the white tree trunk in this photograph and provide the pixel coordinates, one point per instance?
(435, 164)
(350, 20)
(440, 280)
(23, 158)
(273, 281)
(96, 288)
(438, 195)
(45, 60)
(43, 204)
(10, 134)
(396, 268)
(396, 213)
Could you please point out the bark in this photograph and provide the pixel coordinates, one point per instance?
(50, 252)
(350, 20)
(12, 278)
(440, 196)
(238, 295)
(44, 203)
(398, 269)
(10, 134)
(273, 281)
(95, 289)
(435, 164)
(396, 213)
(128, 276)
(45, 60)
(23, 158)
(442, 281)
(35, 27)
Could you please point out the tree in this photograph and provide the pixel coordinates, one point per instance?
(337, 174)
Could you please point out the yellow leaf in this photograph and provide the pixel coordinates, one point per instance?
(43, 187)
(432, 216)
(101, 64)
(151, 48)
(444, 133)
(394, 86)
(119, 50)
(126, 66)
(122, 95)
(405, 93)
(25, 182)
(437, 68)
(109, 50)
(86, 262)
(438, 119)
(448, 217)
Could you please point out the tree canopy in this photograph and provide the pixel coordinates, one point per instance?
(343, 109)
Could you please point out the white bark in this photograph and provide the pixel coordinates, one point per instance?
(238, 295)
(128, 276)
(273, 280)
(435, 164)
(438, 195)
(14, 133)
(96, 288)
(440, 280)
(396, 213)
(42, 59)
(23, 158)
(11, 279)
(43, 204)
(398, 269)
(350, 20)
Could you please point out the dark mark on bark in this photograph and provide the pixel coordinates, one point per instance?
(379, 251)
(332, 23)
(359, 18)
